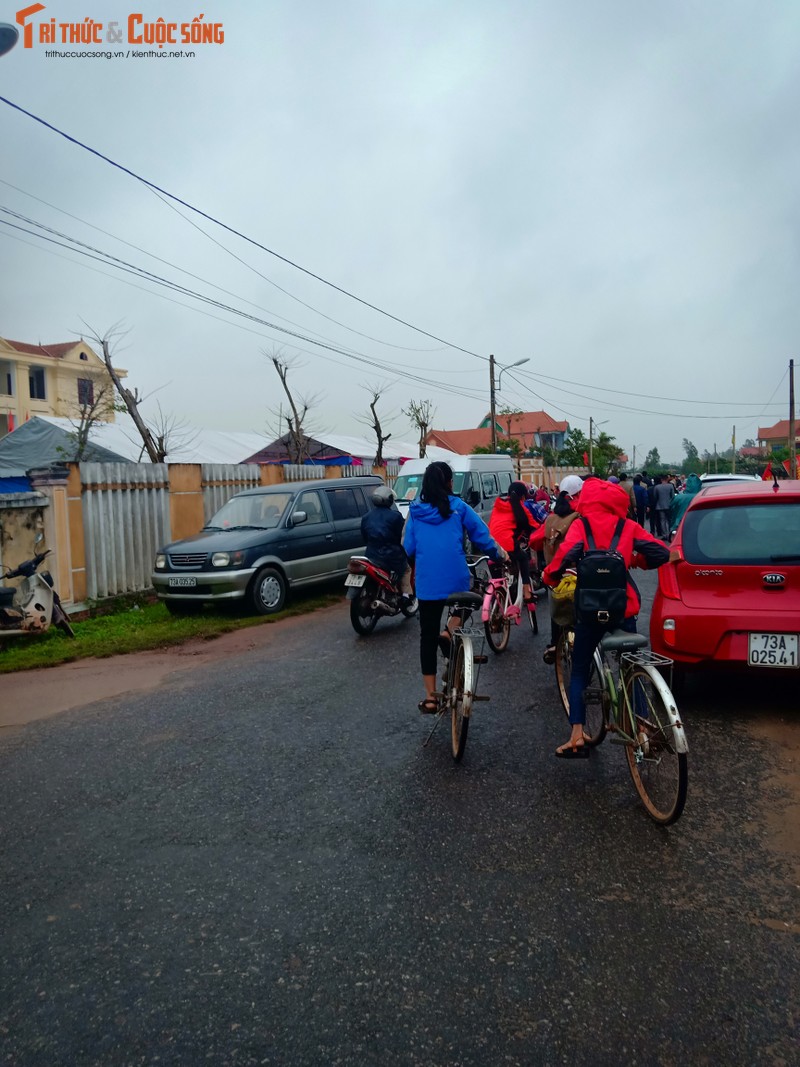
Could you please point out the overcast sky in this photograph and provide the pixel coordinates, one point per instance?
(609, 190)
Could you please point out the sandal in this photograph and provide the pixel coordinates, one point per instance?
(549, 654)
(577, 749)
(429, 706)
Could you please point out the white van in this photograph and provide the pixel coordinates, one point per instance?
(477, 479)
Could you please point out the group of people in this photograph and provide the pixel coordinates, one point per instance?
(440, 523)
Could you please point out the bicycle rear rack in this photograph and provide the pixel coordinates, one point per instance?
(643, 657)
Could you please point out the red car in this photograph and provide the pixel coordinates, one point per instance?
(730, 594)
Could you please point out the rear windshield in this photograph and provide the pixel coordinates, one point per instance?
(407, 486)
(743, 533)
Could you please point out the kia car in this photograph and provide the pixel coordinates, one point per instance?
(730, 595)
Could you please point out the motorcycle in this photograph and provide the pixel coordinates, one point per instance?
(34, 605)
(372, 592)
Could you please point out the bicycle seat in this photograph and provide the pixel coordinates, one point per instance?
(465, 600)
(622, 641)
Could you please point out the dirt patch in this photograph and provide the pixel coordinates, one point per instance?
(782, 819)
(40, 694)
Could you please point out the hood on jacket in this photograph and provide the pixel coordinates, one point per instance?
(599, 497)
(422, 512)
(693, 485)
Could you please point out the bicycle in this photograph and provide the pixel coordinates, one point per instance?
(503, 603)
(463, 667)
(636, 704)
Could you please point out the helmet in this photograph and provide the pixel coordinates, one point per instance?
(383, 497)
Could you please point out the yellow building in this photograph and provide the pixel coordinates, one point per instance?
(61, 380)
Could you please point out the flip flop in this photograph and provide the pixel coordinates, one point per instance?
(429, 706)
(573, 750)
(549, 654)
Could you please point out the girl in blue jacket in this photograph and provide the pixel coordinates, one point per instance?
(434, 539)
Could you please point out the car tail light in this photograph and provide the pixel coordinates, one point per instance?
(668, 576)
(668, 626)
(356, 566)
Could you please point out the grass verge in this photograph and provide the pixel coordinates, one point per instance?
(136, 629)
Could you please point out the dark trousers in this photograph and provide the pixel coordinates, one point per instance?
(430, 626)
(587, 638)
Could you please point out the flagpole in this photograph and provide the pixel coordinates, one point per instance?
(792, 442)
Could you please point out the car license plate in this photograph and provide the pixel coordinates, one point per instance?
(772, 650)
(182, 583)
(355, 579)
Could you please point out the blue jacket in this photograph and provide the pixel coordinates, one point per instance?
(382, 530)
(437, 547)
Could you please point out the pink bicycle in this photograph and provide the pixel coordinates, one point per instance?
(503, 603)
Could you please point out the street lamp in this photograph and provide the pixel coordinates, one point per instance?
(491, 392)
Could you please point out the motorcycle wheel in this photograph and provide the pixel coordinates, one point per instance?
(362, 624)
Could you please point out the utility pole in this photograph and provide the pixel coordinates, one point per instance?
(590, 444)
(792, 431)
(634, 459)
(491, 403)
(716, 466)
(733, 458)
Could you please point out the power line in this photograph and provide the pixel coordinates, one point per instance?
(237, 233)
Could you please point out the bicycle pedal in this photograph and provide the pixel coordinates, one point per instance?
(480, 659)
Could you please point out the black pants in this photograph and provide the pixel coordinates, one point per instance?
(430, 626)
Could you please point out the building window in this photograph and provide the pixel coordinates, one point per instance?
(6, 378)
(85, 392)
(36, 383)
(83, 356)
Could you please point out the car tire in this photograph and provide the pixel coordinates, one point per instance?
(267, 593)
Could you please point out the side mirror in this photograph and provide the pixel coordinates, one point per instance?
(38, 538)
(298, 517)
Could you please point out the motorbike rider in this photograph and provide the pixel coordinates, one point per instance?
(382, 530)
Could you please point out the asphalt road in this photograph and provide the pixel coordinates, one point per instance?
(258, 862)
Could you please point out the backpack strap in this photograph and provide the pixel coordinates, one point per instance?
(617, 534)
(590, 541)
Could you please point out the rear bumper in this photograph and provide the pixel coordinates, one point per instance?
(703, 638)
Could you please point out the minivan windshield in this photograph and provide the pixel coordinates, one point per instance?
(758, 534)
(261, 511)
(408, 486)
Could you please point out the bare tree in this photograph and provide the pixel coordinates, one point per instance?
(156, 450)
(374, 422)
(95, 405)
(421, 413)
(295, 418)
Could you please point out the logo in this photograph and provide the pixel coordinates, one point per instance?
(133, 29)
(708, 572)
(774, 579)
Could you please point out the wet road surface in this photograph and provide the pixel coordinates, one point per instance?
(256, 861)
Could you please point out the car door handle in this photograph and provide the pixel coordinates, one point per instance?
(328, 537)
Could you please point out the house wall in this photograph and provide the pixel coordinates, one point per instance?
(22, 518)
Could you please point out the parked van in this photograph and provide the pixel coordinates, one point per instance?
(477, 479)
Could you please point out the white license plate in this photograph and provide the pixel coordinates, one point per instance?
(772, 650)
(182, 583)
(355, 579)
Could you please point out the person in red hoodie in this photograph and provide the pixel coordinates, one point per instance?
(603, 504)
(511, 525)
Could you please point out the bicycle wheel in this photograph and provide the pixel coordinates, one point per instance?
(497, 626)
(595, 695)
(657, 760)
(460, 697)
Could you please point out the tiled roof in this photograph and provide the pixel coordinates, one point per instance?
(54, 351)
(460, 441)
(530, 422)
(778, 432)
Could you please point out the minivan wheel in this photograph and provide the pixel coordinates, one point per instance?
(267, 591)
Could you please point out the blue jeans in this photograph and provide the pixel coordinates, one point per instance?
(587, 638)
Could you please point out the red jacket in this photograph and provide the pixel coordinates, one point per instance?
(603, 504)
(503, 524)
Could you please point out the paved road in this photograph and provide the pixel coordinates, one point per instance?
(257, 862)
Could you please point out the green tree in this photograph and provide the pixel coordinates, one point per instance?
(575, 444)
(652, 462)
(692, 464)
(605, 455)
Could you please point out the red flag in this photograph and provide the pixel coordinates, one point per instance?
(10, 421)
(765, 477)
(586, 458)
(787, 466)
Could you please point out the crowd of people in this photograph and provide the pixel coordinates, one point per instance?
(540, 532)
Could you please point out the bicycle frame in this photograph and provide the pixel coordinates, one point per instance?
(620, 713)
(512, 608)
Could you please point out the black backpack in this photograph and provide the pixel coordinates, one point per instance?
(601, 589)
